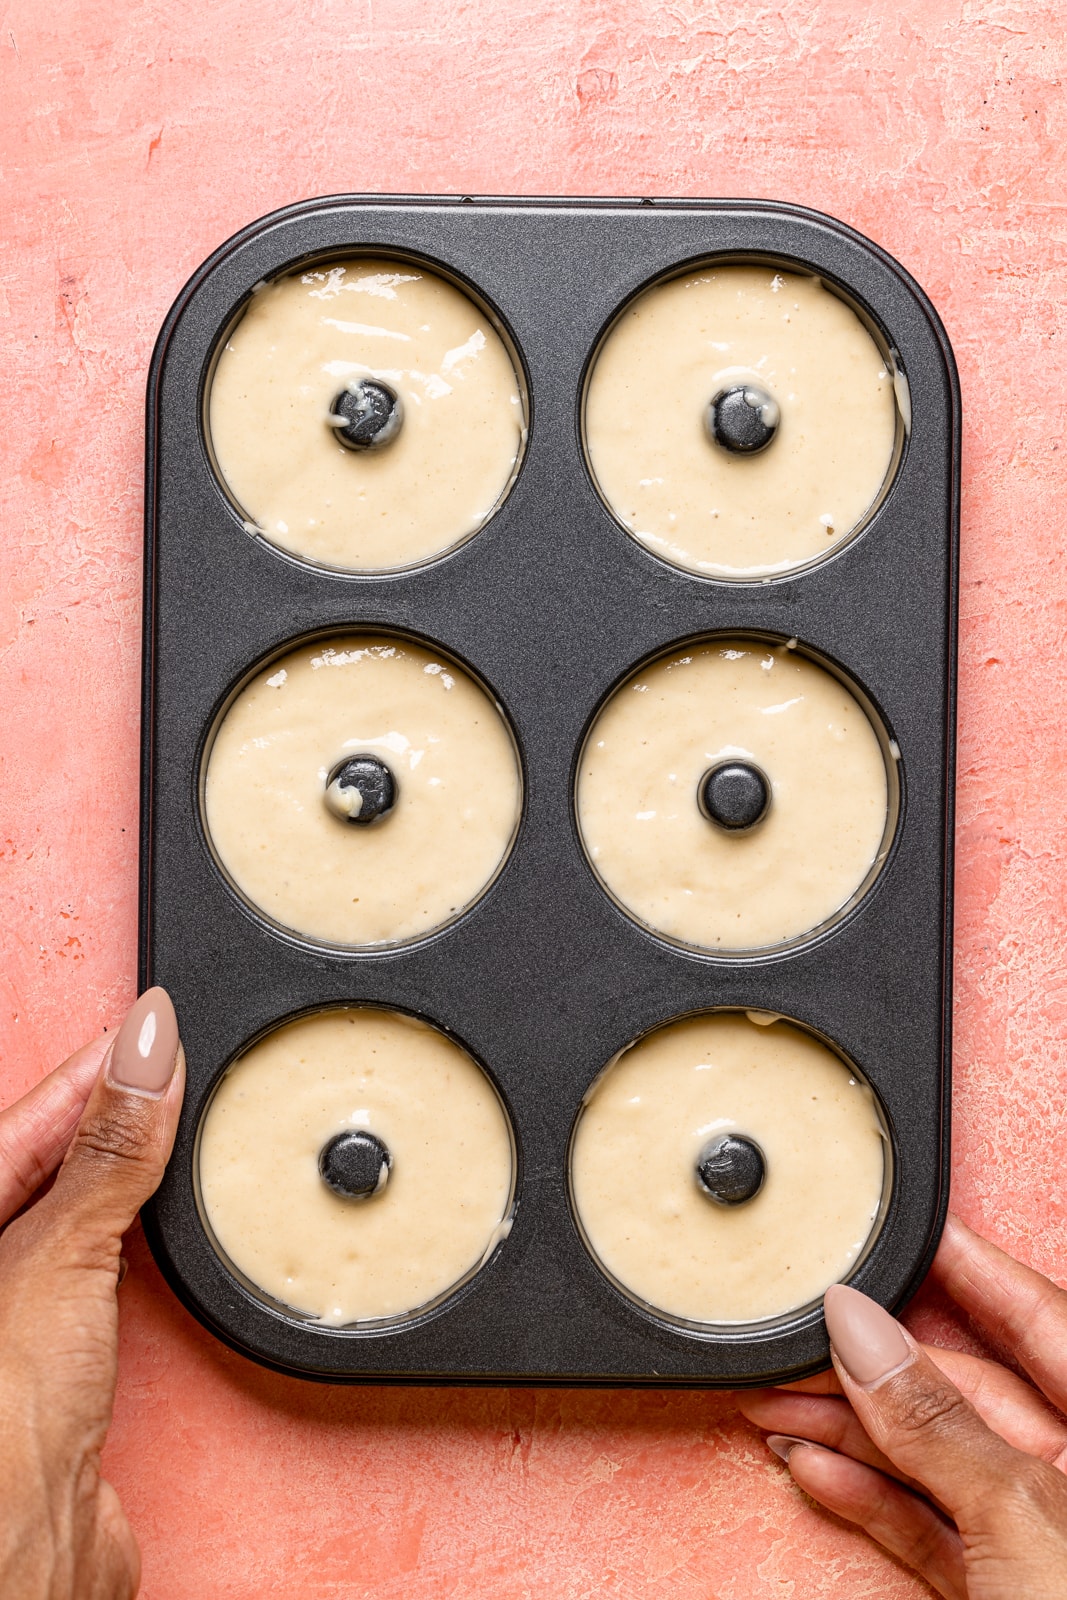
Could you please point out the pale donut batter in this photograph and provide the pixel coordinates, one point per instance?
(306, 336)
(687, 498)
(680, 873)
(318, 873)
(448, 1192)
(640, 1135)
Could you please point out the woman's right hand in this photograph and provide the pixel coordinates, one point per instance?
(956, 1465)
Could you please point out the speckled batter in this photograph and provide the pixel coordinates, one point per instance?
(688, 499)
(642, 1129)
(681, 874)
(457, 774)
(447, 1197)
(301, 340)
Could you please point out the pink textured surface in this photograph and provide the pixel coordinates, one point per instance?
(136, 137)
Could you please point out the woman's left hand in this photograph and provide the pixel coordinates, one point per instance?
(106, 1118)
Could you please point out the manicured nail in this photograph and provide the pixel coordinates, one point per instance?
(783, 1444)
(143, 1056)
(866, 1340)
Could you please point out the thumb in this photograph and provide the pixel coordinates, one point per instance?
(120, 1148)
(912, 1412)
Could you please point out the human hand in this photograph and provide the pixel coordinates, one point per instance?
(955, 1464)
(109, 1114)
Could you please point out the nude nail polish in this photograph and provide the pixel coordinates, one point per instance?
(866, 1340)
(783, 1444)
(145, 1052)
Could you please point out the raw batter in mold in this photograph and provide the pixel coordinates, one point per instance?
(446, 1194)
(733, 704)
(821, 426)
(297, 842)
(640, 1138)
(308, 338)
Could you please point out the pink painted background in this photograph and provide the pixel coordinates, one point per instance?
(138, 135)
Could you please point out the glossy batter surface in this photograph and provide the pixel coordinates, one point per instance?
(688, 499)
(671, 867)
(456, 770)
(833, 129)
(342, 1261)
(636, 1147)
(301, 340)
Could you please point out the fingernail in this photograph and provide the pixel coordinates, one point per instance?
(144, 1054)
(866, 1340)
(783, 1444)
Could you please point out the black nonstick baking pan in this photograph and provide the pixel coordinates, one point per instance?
(551, 605)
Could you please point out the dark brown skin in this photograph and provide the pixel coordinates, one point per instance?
(63, 1534)
(955, 1465)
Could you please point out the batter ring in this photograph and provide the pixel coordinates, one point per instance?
(805, 459)
(644, 1214)
(643, 782)
(440, 1208)
(282, 384)
(289, 834)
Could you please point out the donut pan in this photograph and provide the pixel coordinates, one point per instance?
(551, 605)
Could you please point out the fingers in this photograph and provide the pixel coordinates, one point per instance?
(913, 1413)
(121, 1145)
(1021, 1310)
(912, 1436)
(59, 1261)
(36, 1130)
(902, 1523)
(822, 1419)
(1007, 1403)
(822, 1383)
(1010, 1405)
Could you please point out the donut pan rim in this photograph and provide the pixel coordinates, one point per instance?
(896, 798)
(545, 979)
(257, 913)
(782, 1319)
(878, 333)
(398, 1320)
(500, 327)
